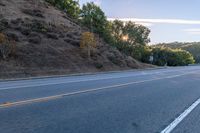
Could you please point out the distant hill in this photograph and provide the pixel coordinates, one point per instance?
(193, 48)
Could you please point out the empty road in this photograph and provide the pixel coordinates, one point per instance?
(149, 101)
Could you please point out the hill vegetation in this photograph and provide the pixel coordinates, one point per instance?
(171, 57)
(129, 38)
(39, 38)
(193, 48)
(42, 37)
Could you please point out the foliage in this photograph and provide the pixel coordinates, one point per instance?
(117, 29)
(7, 47)
(88, 41)
(70, 6)
(2, 38)
(130, 38)
(94, 18)
(131, 33)
(171, 57)
(137, 34)
(193, 48)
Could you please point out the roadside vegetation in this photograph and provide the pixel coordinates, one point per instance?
(130, 38)
(107, 44)
(192, 47)
(7, 47)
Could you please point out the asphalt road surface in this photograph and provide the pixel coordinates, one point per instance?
(149, 101)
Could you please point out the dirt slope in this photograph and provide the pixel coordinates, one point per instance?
(47, 42)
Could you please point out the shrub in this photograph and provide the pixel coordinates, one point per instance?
(7, 48)
(2, 38)
(171, 57)
(98, 65)
(88, 41)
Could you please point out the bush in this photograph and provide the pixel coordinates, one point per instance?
(88, 41)
(98, 65)
(171, 57)
(7, 48)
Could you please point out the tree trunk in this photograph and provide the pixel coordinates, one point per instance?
(89, 52)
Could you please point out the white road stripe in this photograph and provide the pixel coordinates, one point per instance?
(179, 119)
(84, 80)
(8, 104)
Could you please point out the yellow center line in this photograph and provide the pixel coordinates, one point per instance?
(9, 104)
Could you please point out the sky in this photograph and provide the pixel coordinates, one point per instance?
(169, 20)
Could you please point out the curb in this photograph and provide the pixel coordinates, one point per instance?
(79, 74)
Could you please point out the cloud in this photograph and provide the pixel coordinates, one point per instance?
(192, 31)
(145, 24)
(97, 2)
(148, 24)
(160, 21)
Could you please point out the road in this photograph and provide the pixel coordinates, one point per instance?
(148, 101)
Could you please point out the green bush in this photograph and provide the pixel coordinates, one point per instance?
(171, 57)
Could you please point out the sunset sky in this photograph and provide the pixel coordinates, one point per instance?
(169, 20)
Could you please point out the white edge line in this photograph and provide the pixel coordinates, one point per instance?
(38, 85)
(178, 120)
(7, 104)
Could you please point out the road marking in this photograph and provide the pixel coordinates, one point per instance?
(84, 80)
(179, 119)
(82, 92)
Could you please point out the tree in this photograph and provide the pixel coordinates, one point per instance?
(137, 34)
(171, 57)
(118, 30)
(70, 6)
(88, 42)
(94, 18)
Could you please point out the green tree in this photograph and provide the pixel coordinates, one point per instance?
(171, 57)
(70, 6)
(94, 18)
(137, 34)
(118, 30)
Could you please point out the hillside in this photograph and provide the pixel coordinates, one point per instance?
(193, 48)
(47, 43)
